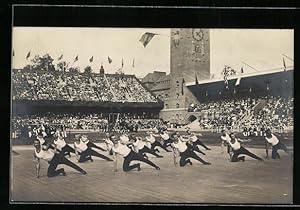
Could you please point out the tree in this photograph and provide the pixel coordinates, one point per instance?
(44, 63)
(88, 70)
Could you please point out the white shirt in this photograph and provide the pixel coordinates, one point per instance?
(45, 154)
(41, 140)
(60, 143)
(165, 136)
(236, 145)
(273, 140)
(139, 144)
(124, 138)
(81, 146)
(122, 150)
(150, 138)
(225, 138)
(193, 138)
(180, 145)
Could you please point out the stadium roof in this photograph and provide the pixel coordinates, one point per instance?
(289, 68)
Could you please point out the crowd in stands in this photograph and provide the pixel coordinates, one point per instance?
(50, 122)
(78, 87)
(240, 113)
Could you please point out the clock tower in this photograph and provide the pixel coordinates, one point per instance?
(190, 59)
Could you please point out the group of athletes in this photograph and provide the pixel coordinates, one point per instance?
(134, 148)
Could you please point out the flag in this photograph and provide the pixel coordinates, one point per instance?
(122, 63)
(133, 63)
(109, 59)
(182, 86)
(196, 80)
(28, 55)
(91, 59)
(242, 70)
(60, 57)
(13, 53)
(284, 64)
(238, 81)
(76, 59)
(146, 38)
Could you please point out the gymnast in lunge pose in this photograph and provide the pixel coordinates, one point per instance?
(239, 149)
(151, 139)
(141, 147)
(166, 140)
(180, 149)
(84, 152)
(276, 145)
(62, 146)
(90, 143)
(128, 155)
(225, 139)
(195, 140)
(54, 159)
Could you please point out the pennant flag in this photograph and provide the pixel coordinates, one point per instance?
(91, 59)
(182, 86)
(60, 57)
(122, 63)
(284, 64)
(76, 59)
(196, 80)
(28, 55)
(242, 70)
(238, 81)
(109, 59)
(146, 38)
(133, 63)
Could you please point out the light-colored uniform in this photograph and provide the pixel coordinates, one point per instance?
(273, 140)
(45, 154)
(60, 143)
(122, 150)
(81, 146)
(180, 145)
(225, 138)
(236, 145)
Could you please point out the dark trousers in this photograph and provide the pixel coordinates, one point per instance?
(60, 159)
(194, 148)
(188, 153)
(66, 150)
(244, 151)
(198, 142)
(158, 144)
(150, 151)
(86, 155)
(135, 156)
(275, 148)
(91, 144)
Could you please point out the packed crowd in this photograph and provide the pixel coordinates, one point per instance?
(239, 113)
(50, 122)
(78, 87)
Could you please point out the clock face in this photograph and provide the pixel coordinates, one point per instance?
(197, 34)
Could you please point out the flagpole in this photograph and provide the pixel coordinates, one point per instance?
(250, 66)
(287, 57)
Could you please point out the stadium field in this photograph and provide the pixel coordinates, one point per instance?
(249, 182)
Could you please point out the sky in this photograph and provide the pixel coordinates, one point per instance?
(260, 48)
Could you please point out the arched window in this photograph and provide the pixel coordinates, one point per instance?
(177, 83)
(177, 105)
(166, 106)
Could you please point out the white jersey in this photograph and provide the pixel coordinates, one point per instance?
(60, 143)
(180, 145)
(165, 136)
(139, 144)
(81, 146)
(150, 138)
(45, 154)
(273, 140)
(236, 145)
(193, 138)
(124, 138)
(109, 144)
(41, 140)
(225, 138)
(122, 150)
